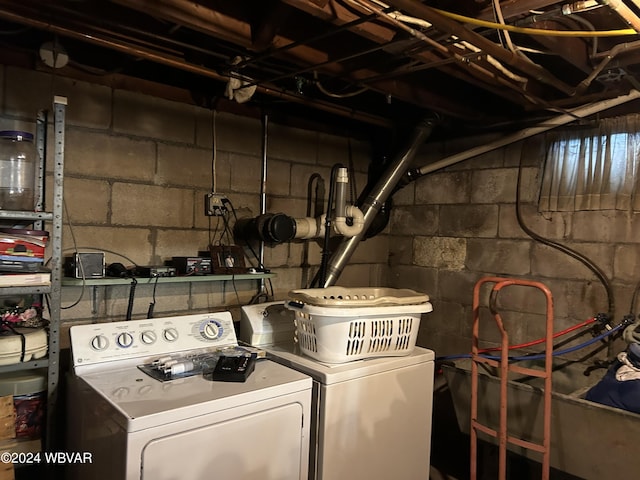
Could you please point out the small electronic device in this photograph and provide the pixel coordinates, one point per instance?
(154, 271)
(233, 369)
(85, 265)
(192, 265)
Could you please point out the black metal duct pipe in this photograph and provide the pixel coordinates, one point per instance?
(379, 194)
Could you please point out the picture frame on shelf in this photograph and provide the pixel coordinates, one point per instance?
(227, 259)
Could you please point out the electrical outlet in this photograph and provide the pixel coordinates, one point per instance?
(215, 205)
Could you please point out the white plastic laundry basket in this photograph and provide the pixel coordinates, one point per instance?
(338, 324)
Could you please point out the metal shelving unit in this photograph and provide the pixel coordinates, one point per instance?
(53, 221)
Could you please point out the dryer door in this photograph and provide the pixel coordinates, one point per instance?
(262, 445)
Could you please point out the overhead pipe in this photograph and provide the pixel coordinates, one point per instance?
(452, 27)
(625, 12)
(577, 113)
(378, 196)
(180, 64)
(386, 186)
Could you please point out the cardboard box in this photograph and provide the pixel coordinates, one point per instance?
(7, 418)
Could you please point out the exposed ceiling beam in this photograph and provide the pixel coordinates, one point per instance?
(452, 27)
(205, 20)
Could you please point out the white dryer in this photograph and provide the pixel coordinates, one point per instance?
(134, 426)
(371, 418)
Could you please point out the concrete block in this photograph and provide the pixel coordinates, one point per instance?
(117, 302)
(332, 149)
(277, 256)
(443, 344)
(88, 105)
(361, 275)
(300, 176)
(278, 178)
(447, 318)
(87, 201)
(456, 286)
(514, 152)
(136, 205)
(246, 205)
(245, 173)
(204, 127)
(307, 252)
(405, 196)
(516, 298)
(550, 262)
(468, 220)
(400, 250)
(108, 156)
(179, 243)
(622, 227)
(27, 92)
(414, 220)
(241, 135)
(216, 296)
(170, 298)
(515, 323)
(578, 299)
(494, 185)
(531, 153)
(292, 144)
(186, 166)
(443, 188)
(125, 245)
(440, 252)
(501, 257)
(372, 250)
(286, 279)
(146, 116)
(625, 263)
(555, 226)
(420, 279)
(293, 207)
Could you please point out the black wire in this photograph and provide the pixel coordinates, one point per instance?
(132, 292)
(152, 304)
(563, 248)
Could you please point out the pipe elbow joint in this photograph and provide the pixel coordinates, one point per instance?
(357, 225)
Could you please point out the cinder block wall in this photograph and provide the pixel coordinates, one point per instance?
(136, 172)
(454, 226)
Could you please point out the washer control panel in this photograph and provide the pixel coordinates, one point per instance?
(103, 342)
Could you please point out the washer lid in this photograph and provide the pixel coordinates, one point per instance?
(289, 354)
(140, 401)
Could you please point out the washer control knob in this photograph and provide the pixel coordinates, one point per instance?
(125, 340)
(148, 337)
(210, 330)
(170, 334)
(99, 343)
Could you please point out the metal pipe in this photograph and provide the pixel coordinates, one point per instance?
(452, 27)
(625, 12)
(379, 194)
(263, 185)
(580, 112)
(180, 64)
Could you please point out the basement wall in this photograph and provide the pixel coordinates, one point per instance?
(136, 171)
(454, 226)
(137, 168)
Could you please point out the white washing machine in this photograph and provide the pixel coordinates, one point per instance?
(134, 426)
(370, 418)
